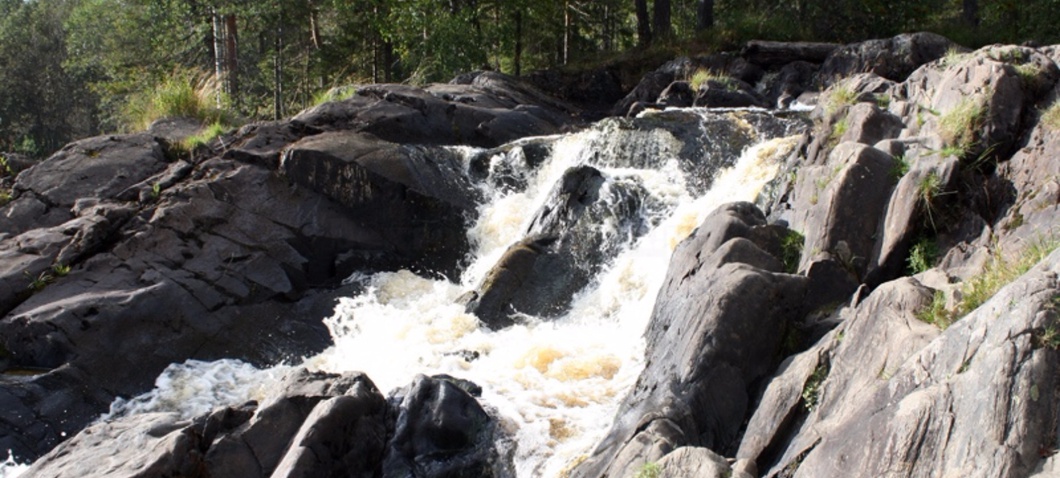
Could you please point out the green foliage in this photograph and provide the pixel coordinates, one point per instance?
(839, 128)
(5, 197)
(39, 282)
(649, 470)
(60, 269)
(839, 96)
(922, 256)
(883, 101)
(182, 94)
(900, 168)
(953, 57)
(204, 137)
(811, 390)
(959, 127)
(977, 290)
(5, 167)
(791, 250)
(334, 94)
(1048, 337)
(156, 191)
(1051, 116)
(702, 76)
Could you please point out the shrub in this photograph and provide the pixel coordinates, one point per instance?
(811, 390)
(900, 168)
(791, 251)
(334, 94)
(5, 197)
(922, 256)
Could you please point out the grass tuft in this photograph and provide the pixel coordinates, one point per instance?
(979, 289)
(204, 137)
(838, 97)
(334, 94)
(703, 76)
(649, 470)
(900, 168)
(1051, 116)
(960, 125)
(182, 94)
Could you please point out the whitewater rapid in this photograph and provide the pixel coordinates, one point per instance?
(554, 386)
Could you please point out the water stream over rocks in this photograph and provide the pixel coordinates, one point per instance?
(552, 381)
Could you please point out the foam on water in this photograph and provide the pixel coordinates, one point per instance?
(10, 468)
(553, 386)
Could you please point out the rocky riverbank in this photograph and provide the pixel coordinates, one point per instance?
(886, 307)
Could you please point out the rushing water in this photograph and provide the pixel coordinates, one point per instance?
(555, 385)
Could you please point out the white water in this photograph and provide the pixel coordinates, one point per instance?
(10, 468)
(554, 386)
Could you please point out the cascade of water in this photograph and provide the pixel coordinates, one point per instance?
(554, 385)
(11, 469)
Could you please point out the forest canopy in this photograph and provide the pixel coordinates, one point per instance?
(73, 68)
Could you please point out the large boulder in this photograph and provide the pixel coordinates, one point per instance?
(892, 58)
(716, 329)
(980, 399)
(564, 247)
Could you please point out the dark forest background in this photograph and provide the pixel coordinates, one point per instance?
(75, 68)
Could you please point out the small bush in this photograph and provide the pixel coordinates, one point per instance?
(936, 312)
(922, 256)
(811, 390)
(900, 168)
(5, 197)
(838, 130)
(1051, 116)
(60, 269)
(960, 125)
(791, 251)
(953, 57)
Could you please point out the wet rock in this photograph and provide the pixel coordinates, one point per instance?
(678, 94)
(647, 91)
(780, 54)
(695, 461)
(784, 88)
(564, 247)
(868, 124)
(727, 93)
(440, 431)
(706, 346)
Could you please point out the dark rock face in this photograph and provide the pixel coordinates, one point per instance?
(564, 246)
(892, 58)
(314, 425)
(233, 254)
(715, 331)
(440, 431)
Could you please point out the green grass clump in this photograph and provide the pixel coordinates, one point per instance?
(5, 167)
(182, 94)
(953, 56)
(204, 137)
(900, 168)
(791, 251)
(702, 76)
(838, 97)
(839, 128)
(811, 390)
(979, 289)
(922, 256)
(60, 269)
(1051, 116)
(334, 94)
(5, 197)
(649, 470)
(960, 125)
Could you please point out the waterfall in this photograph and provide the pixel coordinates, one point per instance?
(553, 385)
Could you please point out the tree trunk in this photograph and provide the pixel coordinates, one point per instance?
(704, 15)
(518, 59)
(218, 55)
(277, 92)
(970, 13)
(566, 31)
(661, 19)
(232, 59)
(643, 23)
